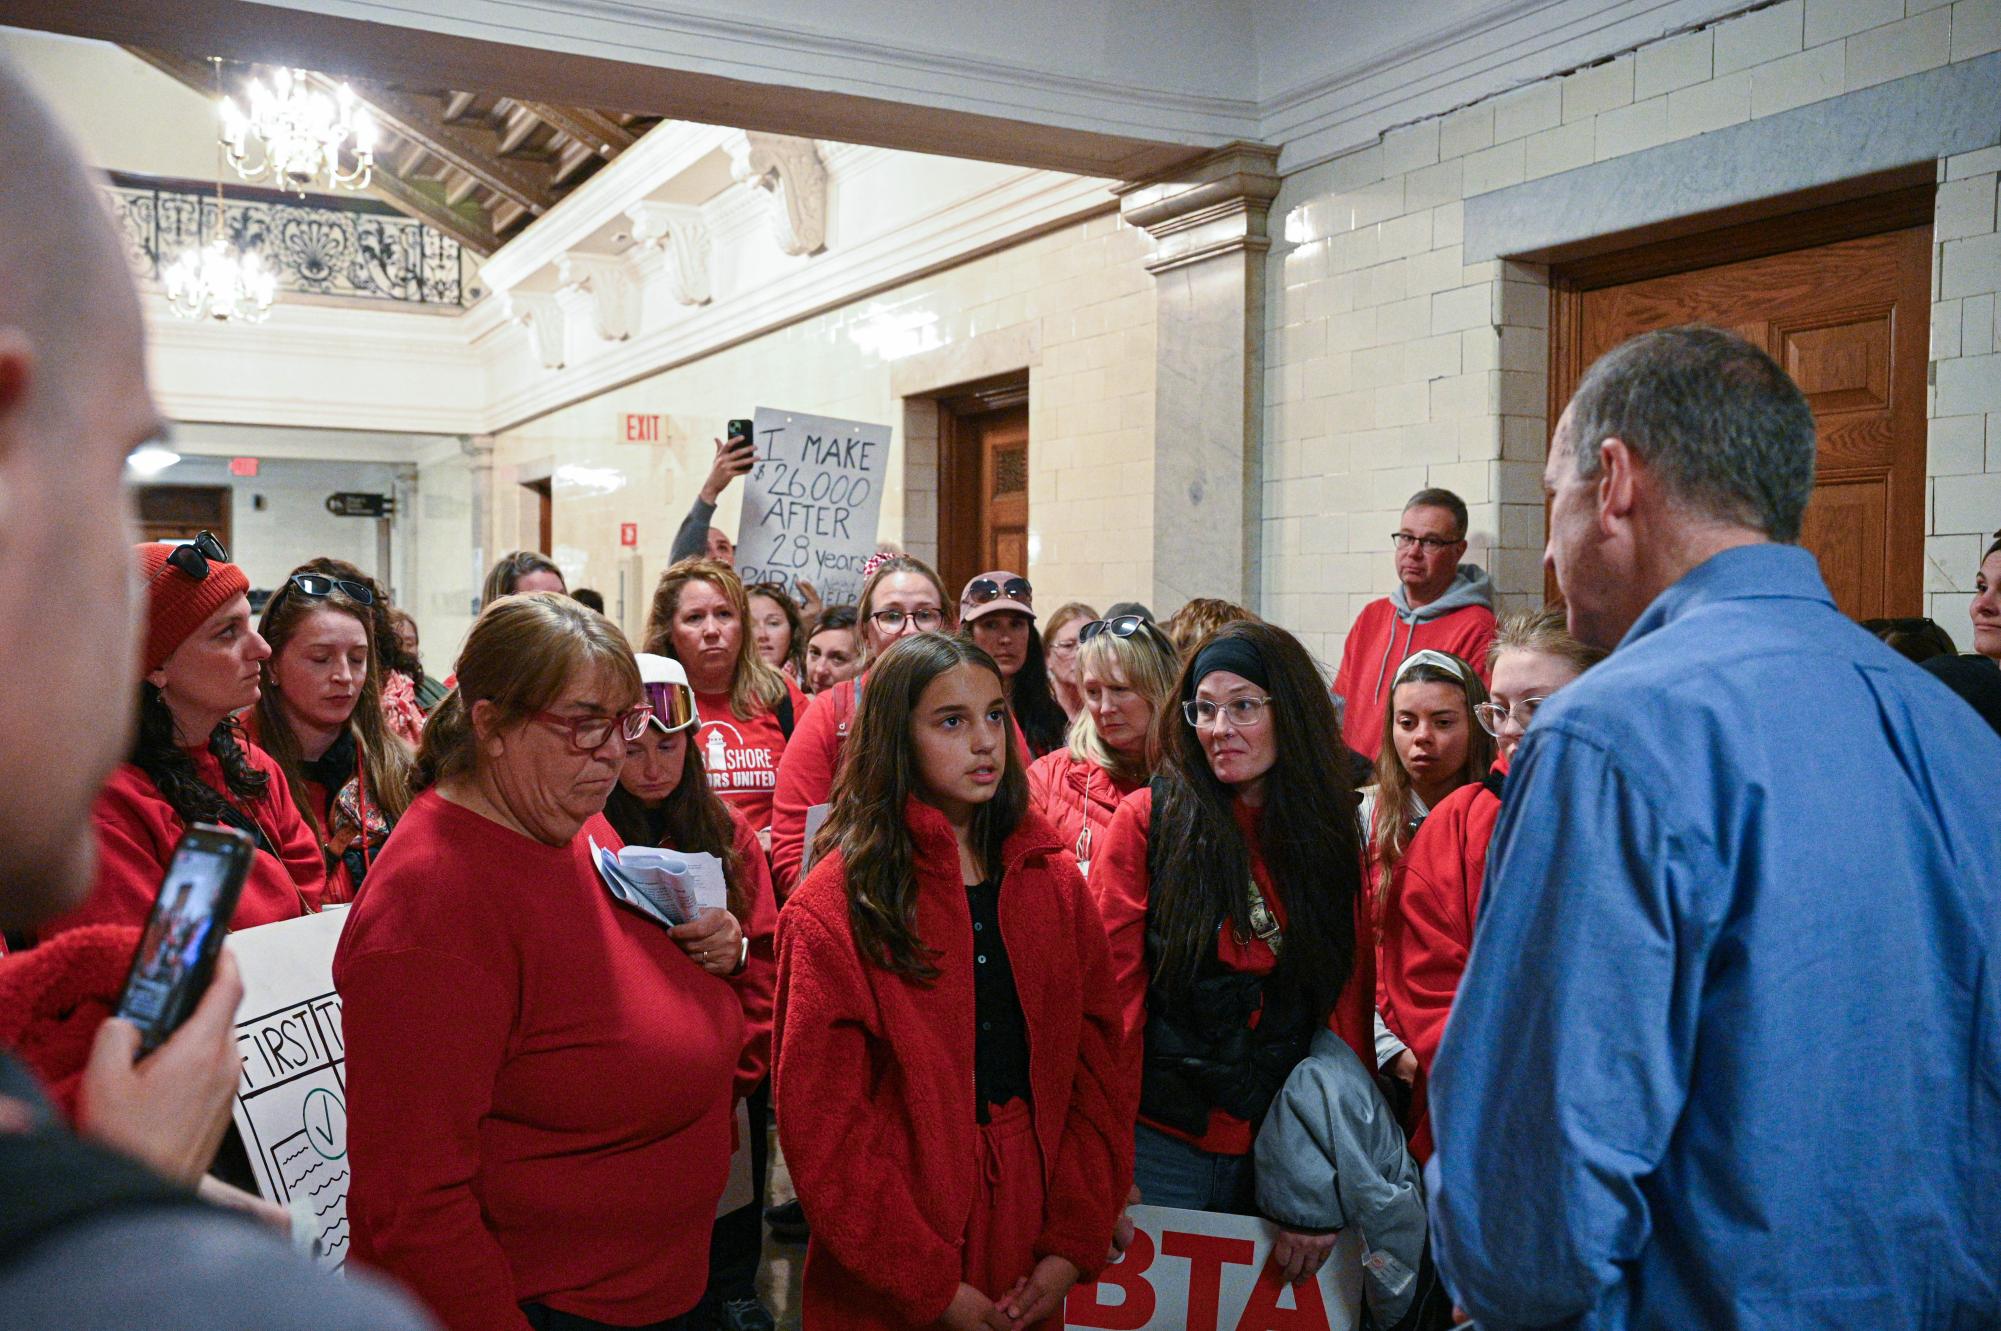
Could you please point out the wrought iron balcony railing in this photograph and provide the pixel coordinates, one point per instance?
(355, 250)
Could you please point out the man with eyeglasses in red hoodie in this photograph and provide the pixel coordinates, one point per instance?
(1439, 603)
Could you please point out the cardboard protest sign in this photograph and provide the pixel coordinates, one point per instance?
(291, 1101)
(811, 503)
(1203, 1271)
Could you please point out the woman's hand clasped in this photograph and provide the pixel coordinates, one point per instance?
(713, 940)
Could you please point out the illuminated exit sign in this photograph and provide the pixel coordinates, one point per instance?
(243, 466)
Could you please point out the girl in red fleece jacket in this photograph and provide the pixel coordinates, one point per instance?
(1434, 894)
(1231, 892)
(948, 1180)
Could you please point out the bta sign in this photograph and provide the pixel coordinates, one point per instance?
(1203, 1271)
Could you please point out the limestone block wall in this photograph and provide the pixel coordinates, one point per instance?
(1392, 363)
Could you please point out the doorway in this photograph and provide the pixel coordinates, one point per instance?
(180, 512)
(983, 479)
(538, 512)
(1845, 308)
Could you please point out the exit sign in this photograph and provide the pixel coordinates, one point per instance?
(639, 428)
(243, 466)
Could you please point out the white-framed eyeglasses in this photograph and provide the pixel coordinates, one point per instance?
(1492, 716)
(1243, 712)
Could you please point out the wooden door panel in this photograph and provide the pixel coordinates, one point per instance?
(1850, 322)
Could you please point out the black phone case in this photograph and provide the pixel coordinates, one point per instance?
(189, 988)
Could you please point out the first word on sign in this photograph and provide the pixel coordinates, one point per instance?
(639, 428)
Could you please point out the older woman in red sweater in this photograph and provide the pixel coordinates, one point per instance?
(1231, 891)
(539, 1077)
(955, 1087)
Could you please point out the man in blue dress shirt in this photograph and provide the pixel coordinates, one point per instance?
(1727, 1053)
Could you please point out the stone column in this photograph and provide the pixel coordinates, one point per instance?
(1207, 220)
(478, 449)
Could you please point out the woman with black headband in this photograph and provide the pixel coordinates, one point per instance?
(1230, 889)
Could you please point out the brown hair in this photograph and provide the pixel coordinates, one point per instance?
(1389, 824)
(1188, 626)
(386, 762)
(510, 569)
(878, 777)
(795, 656)
(1546, 632)
(1063, 614)
(692, 818)
(754, 686)
(865, 603)
(521, 652)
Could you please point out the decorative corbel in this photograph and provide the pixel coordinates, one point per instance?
(680, 237)
(788, 172)
(613, 296)
(542, 315)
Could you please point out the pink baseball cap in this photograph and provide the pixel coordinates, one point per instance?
(991, 593)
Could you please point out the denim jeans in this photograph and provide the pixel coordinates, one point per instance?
(1170, 1172)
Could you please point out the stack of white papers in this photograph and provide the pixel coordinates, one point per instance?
(669, 885)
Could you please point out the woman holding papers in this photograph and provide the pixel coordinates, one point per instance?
(956, 1088)
(1231, 893)
(1127, 669)
(539, 1078)
(701, 617)
(663, 799)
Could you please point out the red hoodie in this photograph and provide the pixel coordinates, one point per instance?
(1078, 798)
(1121, 882)
(1386, 634)
(1428, 928)
(876, 1076)
(137, 831)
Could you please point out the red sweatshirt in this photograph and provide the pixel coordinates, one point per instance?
(875, 1074)
(1121, 883)
(538, 1080)
(137, 830)
(1075, 795)
(1384, 637)
(742, 754)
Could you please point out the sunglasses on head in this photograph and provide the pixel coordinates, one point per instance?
(193, 557)
(1119, 626)
(672, 707)
(319, 586)
(984, 590)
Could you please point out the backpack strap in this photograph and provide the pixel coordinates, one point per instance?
(784, 713)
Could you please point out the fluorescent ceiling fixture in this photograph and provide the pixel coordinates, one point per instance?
(151, 459)
(591, 480)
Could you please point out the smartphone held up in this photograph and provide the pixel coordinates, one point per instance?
(177, 949)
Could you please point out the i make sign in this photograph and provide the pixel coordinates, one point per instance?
(811, 502)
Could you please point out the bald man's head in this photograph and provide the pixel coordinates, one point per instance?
(73, 403)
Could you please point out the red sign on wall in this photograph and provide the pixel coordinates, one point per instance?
(243, 466)
(639, 428)
(628, 534)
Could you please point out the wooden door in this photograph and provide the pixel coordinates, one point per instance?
(1850, 321)
(180, 512)
(983, 483)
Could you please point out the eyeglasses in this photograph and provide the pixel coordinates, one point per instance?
(891, 621)
(670, 706)
(319, 586)
(1122, 626)
(1244, 713)
(193, 557)
(1403, 540)
(588, 734)
(1492, 716)
(984, 590)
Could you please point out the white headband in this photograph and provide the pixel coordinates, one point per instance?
(1428, 657)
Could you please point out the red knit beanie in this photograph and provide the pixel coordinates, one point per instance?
(54, 997)
(176, 604)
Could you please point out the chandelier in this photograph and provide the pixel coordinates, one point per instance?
(219, 283)
(294, 133)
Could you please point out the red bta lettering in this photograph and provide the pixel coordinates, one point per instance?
(1206, 1255)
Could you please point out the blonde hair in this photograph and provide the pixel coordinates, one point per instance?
(521, 653)
(1545, 632)
(865, 603)
(1151, 667)
(754, 686)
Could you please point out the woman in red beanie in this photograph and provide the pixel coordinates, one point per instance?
(191, 761)
(956, 1090)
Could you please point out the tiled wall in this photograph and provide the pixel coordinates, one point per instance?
(1076, 305)
(1392, 364)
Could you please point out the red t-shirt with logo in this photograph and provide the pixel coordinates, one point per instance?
(741, 754)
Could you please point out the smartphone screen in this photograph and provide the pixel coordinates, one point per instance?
(176, 955)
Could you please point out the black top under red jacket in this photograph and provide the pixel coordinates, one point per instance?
(875, 1073)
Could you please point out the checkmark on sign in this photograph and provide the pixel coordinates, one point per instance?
(326, 1123)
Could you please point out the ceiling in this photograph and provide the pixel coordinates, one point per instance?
(476, 166)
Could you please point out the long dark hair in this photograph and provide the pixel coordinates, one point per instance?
(157, 751)
(1307, 833)
(693, 819)
(1041, 717)
(877, 777)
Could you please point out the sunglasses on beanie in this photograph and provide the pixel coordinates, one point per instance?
(193, 557)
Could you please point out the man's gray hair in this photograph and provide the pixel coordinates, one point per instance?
(1728, 429)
